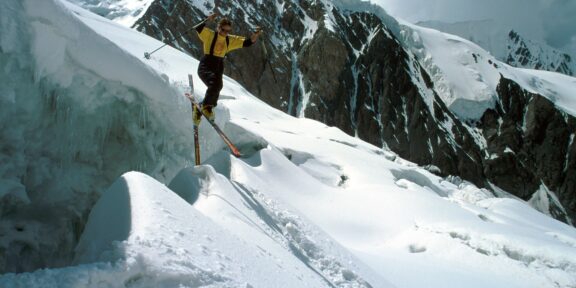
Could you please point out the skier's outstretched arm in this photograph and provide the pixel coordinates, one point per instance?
(252, 39)
(200, 26)
(256, 34)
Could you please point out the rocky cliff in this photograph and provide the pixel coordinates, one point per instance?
(530, 144)
(527, 54)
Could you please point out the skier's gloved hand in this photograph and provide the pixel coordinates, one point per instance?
(256, 34)
(212, 16)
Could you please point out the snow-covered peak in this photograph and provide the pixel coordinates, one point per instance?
(125, 12)
(466, 76)
(525, 53)
(509, 46)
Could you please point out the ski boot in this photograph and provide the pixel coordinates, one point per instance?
(196, 116)
(208, 111)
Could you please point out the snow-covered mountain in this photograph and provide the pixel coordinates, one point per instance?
(307, 205)
(508, 45)
(525, 53)
(429, 96)
(525, 118)
(125, 12)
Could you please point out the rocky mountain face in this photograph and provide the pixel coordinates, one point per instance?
(348, 69)
(530, 143)
(525, 53)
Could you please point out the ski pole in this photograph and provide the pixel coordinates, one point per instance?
(147, 55)
(267, 56)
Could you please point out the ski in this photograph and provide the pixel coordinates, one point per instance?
(197, 160)
(219, 131)
(196, 146)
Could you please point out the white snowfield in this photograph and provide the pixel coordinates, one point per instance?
(493, 36)
(307, 205)
(466, 76)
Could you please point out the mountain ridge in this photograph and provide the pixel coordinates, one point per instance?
(508, 45)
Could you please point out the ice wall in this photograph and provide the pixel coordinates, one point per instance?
(75, 112)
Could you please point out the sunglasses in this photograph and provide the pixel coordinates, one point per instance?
(226, 30)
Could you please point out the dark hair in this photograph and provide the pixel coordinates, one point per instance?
(224, 22)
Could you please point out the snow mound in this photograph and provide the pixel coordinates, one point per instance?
(139, 220)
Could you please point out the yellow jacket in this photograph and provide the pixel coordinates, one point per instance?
(223, 44)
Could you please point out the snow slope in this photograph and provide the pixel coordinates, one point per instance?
(488, 34)
(307, 206)
(161, 230)
(466, 76)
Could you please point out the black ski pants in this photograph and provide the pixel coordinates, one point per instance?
(210, 70)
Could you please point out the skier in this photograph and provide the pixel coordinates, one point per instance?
(216, 45)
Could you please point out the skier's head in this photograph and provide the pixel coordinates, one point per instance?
(224, 26)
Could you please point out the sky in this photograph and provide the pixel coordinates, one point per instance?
(553, 21)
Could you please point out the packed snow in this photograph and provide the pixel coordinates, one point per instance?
(306, 206)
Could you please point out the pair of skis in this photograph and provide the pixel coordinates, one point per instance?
(225, 138)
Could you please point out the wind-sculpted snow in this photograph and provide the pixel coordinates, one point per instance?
(166, 233)
(307, 206)
(254, 217)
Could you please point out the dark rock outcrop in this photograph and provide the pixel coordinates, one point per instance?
(530, 143)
